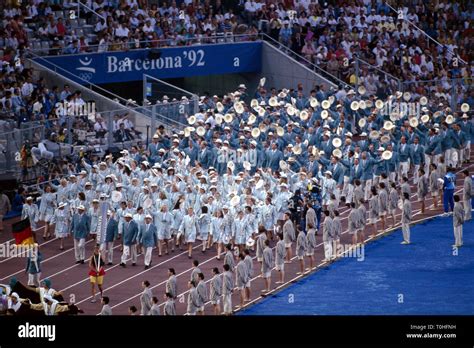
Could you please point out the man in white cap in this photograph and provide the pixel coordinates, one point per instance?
(130, 236)
(80, 228)
(148, 238)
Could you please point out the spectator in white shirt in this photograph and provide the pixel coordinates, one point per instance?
(100, 127)
(27, 88)
(122, 31)
(148, 28)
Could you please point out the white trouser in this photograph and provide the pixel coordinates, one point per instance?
(427, 163)
(129, 250)
(460, 156)
(327, 250)
(368, 185)
(34, 279)
(406, 231)
(448, 155)
(458, 235)
(148, 251)
(455, 158)
(467, 151)
(349, 192)
(337, 194)
(467, 210)
(404, 167)
(80, 249)
(416, 175)
(227, 299)
(345, 187)
(376, 180)
(108, 247)
(392, 176)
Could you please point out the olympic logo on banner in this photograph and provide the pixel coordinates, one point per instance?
(85, 76)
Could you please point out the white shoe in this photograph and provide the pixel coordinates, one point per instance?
(405, 242)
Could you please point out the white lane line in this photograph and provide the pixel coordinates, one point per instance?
(133, 276)
(197, 246)
(48, 259)
(75, 265)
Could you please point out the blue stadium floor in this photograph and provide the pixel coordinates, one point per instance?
(424, 275)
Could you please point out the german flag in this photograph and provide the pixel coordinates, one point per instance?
(22, 232)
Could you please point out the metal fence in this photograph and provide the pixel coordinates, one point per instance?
(317, 69)
(131, 45)
(171, 101)
(11, 144)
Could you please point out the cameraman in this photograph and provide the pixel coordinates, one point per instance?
(296, 206)
(316, 200)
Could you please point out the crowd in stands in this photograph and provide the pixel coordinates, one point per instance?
(332, 37)
(326, 34)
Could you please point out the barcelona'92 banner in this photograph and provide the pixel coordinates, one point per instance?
(163, 63)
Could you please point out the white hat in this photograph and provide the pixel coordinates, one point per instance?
(29, 198)
(119, 185)
(327, 172)
(95, 200)
(62, 205)
(81, 207)
(148, 216)
(129, 215)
